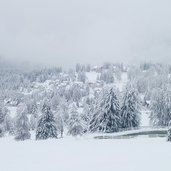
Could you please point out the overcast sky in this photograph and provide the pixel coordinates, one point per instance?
(64, 32)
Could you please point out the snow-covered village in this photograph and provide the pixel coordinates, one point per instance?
(85, 85)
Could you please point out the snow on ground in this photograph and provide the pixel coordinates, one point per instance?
(85, 154)
(124, 77)
(92, 76)
(13, 111)
(145, 120)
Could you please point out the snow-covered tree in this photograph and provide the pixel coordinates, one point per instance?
(2, 119)
(55, 100)
(161, 107)
(22, 124)
(130, 113)
(6, 123)
(9, 124)
(32, 107)
(75, 126)
(46, 126)
(88, 68)
(60, 124)
(81, 76)
(106, 117)
(118, 73)
(73, 92)
(78, 67)
(63, 108)
(33, 122)
(87, 115)
(107, 76)
(72, 75)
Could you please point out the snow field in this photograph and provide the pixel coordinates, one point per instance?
(85, 154)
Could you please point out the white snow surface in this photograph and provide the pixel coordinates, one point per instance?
(92, 76)
(85, 154)
(145, 118)
(13, 111)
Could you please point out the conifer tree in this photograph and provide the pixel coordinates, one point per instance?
(161, 107)
(32, 107)
(75, 125)
(33, 121)
(6, 122)
(34, 115)
(22, 124)
(46, 127)
(2, 120)
(63, 107)
(130, 113)
(86, 115)
(106, 117)
(60, 124)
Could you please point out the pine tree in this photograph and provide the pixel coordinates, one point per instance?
(55, 100)
(107, 113)
(6, 123)
(161, 107)
(33, 121)
(82, 76)
(32, 107)
(59, 123)
(22, 124)
(75, 126)
(87, 115)
(130, 114)
(2, 119)
(34, 115)
(46, 127)
(63, 107)
(9, 124)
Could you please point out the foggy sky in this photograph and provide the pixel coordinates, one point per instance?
(66, 32)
